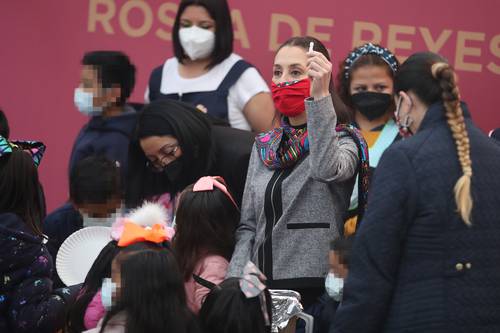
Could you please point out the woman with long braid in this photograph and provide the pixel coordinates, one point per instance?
(427, 255)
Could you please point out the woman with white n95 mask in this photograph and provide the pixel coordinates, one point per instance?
(207, 74)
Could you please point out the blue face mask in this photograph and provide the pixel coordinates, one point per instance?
(108, 289)
(334, 286)
(84, 101)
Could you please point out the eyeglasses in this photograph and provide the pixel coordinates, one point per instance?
(167, 155)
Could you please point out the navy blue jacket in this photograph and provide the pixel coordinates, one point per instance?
(58, 226)
(415, 265)
(106, 136)
(27, 300)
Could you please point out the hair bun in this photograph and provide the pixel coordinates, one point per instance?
(439, 68)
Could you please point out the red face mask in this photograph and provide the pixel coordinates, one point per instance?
(289, 96)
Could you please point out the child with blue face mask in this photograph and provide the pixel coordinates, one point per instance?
(106, 81)
(324, 309)
(145, 294)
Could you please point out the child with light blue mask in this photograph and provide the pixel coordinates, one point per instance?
(324, 309)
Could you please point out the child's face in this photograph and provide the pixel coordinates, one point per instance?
(100, 210)
(337, 266)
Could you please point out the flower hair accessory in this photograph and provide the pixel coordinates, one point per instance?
(252, 284)
(370, 48)
(207, 184)
(34, 148)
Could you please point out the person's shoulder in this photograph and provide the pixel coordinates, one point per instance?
(168, 63)
(214, 260)
(224, 133)
(62, 213)
(11, 221)
(226, 64)
(65, 219)
(212, 265)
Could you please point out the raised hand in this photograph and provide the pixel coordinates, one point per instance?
(319, 69)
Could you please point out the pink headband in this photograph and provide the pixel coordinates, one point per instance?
(207, 184)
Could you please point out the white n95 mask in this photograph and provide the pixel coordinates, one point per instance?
(197, 43)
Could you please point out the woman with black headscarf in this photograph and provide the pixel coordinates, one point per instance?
(175, 145)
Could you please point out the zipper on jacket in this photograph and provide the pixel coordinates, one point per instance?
(273, 210)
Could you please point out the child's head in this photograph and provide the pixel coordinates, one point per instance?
(149, 288)
(366, 81)
(227, 310)
(206, 222)
(101, 269)
(339, 255)
(340, 252)
(19, 183)
(95, 186)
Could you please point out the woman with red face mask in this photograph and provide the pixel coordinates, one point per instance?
(300, 176)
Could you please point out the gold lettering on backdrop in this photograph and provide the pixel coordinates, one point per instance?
(393, 43)
(462, 51)
(101, 17)
(495, 50)
(240, 31)
(360, 27)
(434, 45)
(276, 20)
(148, 18)
(168, 21)
(314, 22)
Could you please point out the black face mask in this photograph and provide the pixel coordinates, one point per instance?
(372, 105)
(173, 171)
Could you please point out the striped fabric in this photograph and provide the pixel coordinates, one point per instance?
(282, 147)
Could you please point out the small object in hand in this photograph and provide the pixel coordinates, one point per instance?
(311, 47)
(202, 108)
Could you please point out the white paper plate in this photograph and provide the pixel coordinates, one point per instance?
(79, 251)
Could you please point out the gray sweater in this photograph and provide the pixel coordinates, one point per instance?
(289, 217)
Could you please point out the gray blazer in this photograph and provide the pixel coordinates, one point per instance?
(289, 216)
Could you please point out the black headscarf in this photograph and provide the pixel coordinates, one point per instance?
(193, 132)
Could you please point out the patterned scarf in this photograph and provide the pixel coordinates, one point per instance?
(282, 147)
(364, 165)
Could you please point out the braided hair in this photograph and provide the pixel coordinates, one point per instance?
(433, 80)
(446, 77)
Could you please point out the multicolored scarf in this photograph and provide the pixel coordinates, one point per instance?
(364, 165)
(282, 147)
(35, 148)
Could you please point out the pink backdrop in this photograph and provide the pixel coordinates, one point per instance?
(42, 43)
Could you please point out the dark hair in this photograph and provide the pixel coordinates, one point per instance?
(219, 12)
(206, 223)
(114, 69)
(227, 310)
(344, 82)
(152, 294)
(20, 189)
(343, 248)
(429, 76)
(343, 115)
(94, 180)
(101, 268)
(194, 134)
(4, 125)
(415, 75)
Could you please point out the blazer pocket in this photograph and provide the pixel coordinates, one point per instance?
(293, 226)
